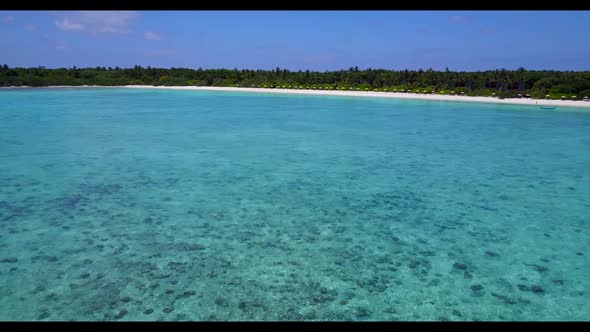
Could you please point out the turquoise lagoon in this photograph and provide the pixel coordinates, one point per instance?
(142, 204)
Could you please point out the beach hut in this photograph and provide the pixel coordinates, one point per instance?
(586, 98)
(547, 97)
(563, 98)
(528, 96)
(462, 93)
(574, 97)
(432, 92)
(493, 94)
(453, 93)
(519, 95)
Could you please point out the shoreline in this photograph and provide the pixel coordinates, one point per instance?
(395, 95)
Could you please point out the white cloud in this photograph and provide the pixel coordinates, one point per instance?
(66, 25)
(7, 19)
(97, 21)
(150, 35)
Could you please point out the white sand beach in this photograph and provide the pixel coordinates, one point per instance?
(434, 97)
(513, 101)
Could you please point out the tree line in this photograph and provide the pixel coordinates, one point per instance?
(501, 82)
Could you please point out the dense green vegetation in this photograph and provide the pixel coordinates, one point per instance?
(503, 83)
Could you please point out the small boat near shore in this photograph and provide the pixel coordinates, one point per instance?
(547, 107)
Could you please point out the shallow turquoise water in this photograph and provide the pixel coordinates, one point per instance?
(120, 204)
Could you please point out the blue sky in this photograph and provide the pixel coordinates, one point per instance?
(315, 40)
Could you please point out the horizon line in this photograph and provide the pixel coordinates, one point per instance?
(356, 68)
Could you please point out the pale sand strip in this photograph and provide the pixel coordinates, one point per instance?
(510, 101)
